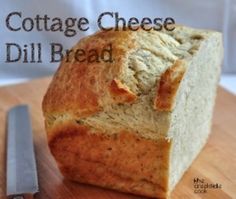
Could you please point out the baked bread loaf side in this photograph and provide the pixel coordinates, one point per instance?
(136, 124)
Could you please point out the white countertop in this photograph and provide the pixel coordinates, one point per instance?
(229, 83)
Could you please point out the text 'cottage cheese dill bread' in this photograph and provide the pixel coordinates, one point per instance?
(137, 123)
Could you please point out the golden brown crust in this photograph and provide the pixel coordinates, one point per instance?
(121, 93)
(87, 155)
(82, 88)
(168, 86)
(97, 174)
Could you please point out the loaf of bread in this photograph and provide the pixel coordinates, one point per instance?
(137, 123)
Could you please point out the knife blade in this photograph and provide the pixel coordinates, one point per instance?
(22, 179)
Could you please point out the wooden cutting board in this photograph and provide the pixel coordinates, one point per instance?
(216, 164)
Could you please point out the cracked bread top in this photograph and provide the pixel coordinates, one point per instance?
(135, 92)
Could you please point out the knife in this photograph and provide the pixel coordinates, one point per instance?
(22, 179)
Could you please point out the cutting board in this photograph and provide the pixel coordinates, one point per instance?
(215, 166)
